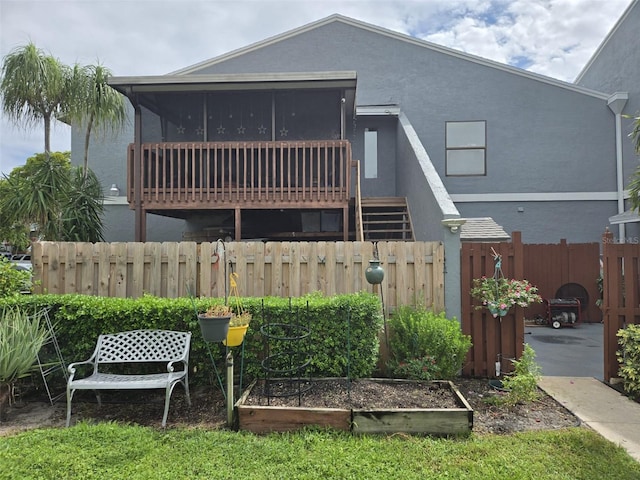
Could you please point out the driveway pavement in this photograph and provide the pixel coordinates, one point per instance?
(569, 351)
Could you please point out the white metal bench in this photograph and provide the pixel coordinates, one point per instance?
(135, 347)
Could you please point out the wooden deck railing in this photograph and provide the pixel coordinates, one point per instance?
(178, 175)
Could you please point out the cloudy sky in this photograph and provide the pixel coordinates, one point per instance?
(154, 37)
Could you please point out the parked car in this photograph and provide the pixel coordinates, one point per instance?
(23, 260)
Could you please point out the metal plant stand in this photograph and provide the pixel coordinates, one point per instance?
(286, 357)
(50, 359)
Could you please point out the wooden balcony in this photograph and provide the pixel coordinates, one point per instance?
(223, 175)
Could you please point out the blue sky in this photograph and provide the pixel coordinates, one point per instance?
(152, 37)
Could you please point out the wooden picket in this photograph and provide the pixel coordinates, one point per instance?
(414, 271)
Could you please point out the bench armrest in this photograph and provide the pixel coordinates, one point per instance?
(72, 367)
(170, 365)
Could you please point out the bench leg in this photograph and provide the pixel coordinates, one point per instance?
(69, 397)
(185, 384)
(167, 398)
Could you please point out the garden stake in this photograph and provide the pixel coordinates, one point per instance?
(349, 354)
(229, 396)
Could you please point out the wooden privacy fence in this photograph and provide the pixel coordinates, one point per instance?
(494, 339)
(620, 297)
(414, 271)
(547, 266)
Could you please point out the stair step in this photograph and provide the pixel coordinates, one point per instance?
(384, 213)
(390, 230)
(383, 201)
(386, 218)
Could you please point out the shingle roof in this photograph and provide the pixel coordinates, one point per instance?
(483, 229)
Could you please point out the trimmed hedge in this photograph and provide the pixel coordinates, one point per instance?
(343, 328)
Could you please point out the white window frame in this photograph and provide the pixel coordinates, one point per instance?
(370, 153)
(466, 148)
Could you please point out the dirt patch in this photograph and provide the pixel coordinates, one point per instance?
(32, 410)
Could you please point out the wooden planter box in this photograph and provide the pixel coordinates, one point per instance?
(424, 421)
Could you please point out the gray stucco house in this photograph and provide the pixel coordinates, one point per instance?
(262, 142)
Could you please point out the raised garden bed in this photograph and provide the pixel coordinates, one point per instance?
(360, 406)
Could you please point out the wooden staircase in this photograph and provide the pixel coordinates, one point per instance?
(386, 218)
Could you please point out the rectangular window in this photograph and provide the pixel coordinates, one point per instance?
(466, 144)
(370, 153)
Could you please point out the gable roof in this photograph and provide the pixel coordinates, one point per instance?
(595, 55)
(337, 18)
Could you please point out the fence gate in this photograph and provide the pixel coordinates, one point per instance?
(548, 266)
(620, 296)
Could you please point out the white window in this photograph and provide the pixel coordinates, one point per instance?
(466, 144)
(370, 153)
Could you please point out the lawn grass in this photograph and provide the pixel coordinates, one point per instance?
(118, 451)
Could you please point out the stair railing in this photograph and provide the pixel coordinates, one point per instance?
(358, 207)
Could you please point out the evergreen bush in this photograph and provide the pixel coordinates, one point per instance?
(425, 344)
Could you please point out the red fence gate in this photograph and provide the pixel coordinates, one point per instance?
(621, 296)
(551, 267)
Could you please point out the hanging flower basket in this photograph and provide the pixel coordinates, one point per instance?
(214, 323)
(235, 336)
(214, 329)
(498, 295)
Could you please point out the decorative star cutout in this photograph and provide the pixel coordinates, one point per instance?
(221, 130)
(283, 132)
(199, 131)
(241, 130)
(180, 130)
(262, 129)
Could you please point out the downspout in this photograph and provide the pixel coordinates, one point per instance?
(616, 103)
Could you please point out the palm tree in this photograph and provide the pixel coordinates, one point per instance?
(634, 184)
(38, 191)
(64, 203)
(635, 134)
(95, 103)
(82, 212)
(34, 88)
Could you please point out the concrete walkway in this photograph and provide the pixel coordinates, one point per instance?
(572, 363)
(599, 406)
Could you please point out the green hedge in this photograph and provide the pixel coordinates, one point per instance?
(629, 358)
(337, 346)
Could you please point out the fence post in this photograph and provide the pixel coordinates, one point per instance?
(610, 340)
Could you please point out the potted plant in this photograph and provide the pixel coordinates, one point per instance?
(498, 295)
(237, 328)
(214, 322)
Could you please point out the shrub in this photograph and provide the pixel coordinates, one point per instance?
(423, 368)
(343, 337)
(629, 359)
(21, 338)
(417, 336)
(12, 280)
(522, 384)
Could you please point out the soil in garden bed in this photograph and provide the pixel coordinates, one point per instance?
(356, 394)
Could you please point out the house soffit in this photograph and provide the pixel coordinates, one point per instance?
(143, 90)
(193, 69)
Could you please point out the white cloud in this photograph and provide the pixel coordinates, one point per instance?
(153, 37)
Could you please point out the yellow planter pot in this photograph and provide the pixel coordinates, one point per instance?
(235, 336)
